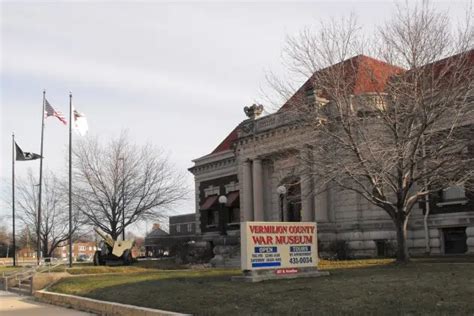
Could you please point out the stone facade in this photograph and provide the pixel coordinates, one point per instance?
(262, 154)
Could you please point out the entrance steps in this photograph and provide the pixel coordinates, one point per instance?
(20, 282)
(23, 287)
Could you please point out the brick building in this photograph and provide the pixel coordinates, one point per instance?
(26, 253)
(80, 250)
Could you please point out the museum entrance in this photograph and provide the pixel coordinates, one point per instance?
(455, 240)
(293, 202)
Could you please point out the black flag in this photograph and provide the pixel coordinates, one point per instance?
(23, 156)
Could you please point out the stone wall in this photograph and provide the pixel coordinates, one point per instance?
(96, 306)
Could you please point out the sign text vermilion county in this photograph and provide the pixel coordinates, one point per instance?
(302, 234)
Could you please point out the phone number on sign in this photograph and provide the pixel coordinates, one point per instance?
(300, 260)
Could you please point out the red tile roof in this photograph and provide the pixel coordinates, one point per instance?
(362, 74)
(366, 75)
(457, 69)
(226, 144)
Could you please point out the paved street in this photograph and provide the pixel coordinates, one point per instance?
(13, 304)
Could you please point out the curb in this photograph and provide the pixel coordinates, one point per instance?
(98, 307)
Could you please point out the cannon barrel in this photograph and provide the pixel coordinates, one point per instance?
(105, 237)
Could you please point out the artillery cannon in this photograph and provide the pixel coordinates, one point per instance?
(112, 252)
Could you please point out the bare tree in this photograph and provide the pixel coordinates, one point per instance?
(119, 183)
(5, 242)
(392, 134)
(55, 216)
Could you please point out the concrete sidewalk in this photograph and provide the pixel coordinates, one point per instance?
(15, 305)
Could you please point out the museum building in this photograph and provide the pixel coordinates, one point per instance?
(254, 175)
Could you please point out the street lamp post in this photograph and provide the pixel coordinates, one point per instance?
(36, 213)
(281, 192)
(223, 217)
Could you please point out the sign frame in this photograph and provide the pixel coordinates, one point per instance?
(279, 246)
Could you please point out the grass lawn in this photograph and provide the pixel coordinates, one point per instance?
(141, 266)
(354, 287)
(8, 269)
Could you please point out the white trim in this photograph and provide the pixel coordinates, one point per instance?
(461, 202)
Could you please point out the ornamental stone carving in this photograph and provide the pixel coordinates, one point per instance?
(253, 111)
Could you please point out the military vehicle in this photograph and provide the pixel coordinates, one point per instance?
(113, 252)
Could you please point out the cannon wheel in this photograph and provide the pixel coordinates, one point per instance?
(127, 257)
(97, 261)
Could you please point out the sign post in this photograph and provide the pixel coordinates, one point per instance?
(274, 250)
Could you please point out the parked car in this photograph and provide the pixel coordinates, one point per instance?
(83, 258)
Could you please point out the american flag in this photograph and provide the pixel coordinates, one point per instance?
(49, 111)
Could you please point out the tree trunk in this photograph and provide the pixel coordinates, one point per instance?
(402, 247)
(114, 235)
(45, 249)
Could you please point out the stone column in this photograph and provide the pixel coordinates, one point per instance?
(306, 199)
(321, 206)
(257, 190)
(247, 193)
(197, 206)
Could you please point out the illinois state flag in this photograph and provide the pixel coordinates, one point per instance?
(80, 123)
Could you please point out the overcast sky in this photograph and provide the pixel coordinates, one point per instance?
(174, 74)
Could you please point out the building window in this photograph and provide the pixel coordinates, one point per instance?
(82, 247)
(453, 195)
(212, 218)
(190, 228)
(234, 216)
(178, 228)
(293, 200)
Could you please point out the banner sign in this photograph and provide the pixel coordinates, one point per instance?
(278, 245)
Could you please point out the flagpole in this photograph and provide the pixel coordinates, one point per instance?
(70, 179)
(13, 199)
(38, 229)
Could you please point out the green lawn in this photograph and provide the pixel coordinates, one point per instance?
(354, 287)
(8, 269)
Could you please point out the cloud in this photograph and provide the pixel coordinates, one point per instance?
(119, 77)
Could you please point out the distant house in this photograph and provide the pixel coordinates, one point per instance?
(182, 228)
(85, 249)
(26, 253)
(156, 242)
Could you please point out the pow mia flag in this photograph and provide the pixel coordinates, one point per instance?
(24, 156)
